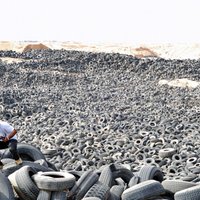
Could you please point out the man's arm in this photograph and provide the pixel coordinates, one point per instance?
(10, 135)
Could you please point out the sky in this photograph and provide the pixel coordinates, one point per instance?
(101, 21)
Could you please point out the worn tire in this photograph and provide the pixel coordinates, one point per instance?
(26, 152)
(10, 168)
(44, 195)
(84, 183)
(54, 181)
(144, 190)
(26, 188)
(118, 171)
(148, 172)
(6, 191)
(116, 192)
(106, 176)
(167, 152)
(58, 196)
(192, 193)
(174, 186)
(98, 190)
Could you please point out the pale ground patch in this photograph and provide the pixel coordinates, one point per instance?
(11, 60)
(184, 83)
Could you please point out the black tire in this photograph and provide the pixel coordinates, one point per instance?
(52, 166)
(44, 195)
(174, 186)
(54, 181)
(106, 177)
(91, 198)
(148, 172)
(134, 181)
(25, 184)
(58, 196)
(116, 192)
(144, 190)
(98, 190)
(6, 191)
(12, 167)
(119, 171)
(42, 162)
(7, 160)
(26, 152)
(192, 193)
(167, 152)
(84, 183)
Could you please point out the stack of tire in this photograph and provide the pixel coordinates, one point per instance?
(40, 180)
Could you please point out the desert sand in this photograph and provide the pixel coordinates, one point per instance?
(166, 51)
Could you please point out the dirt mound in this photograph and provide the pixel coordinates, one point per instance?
(30, 47)
(142, 52)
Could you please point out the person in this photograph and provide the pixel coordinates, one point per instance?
(8, 139)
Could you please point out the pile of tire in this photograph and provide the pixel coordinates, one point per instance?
(40, 180)
(85, 111)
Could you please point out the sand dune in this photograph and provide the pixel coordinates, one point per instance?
(167, 51)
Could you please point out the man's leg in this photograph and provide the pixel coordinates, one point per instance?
(3, 145)
(13, 150)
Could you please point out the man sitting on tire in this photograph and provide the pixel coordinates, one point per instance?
(8, 139)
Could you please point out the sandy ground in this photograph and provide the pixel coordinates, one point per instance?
(166, 51)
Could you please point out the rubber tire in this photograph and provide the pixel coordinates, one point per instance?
(134, 181)
(58, 196)
(44, 195)
(54, 181)
(116, 192)
(25, 184)
(52, 166)
(42, 162)
(167, 152)
(192, 193)
(106, 177)
(174, 186)
(98, 190)
(26, 152)
(6, 190)
(144, 190)
(12, 167)
(118, 171)
(148, 172)
(84, 183)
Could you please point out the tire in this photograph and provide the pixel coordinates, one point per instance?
(148, 172)
(54, 181)
(99, 190)
(134, 181)
(106, 177)
(167, 152)
(42, 162)
(144, 190)
(12, 167)
(6, 191)
(119, 171)
(44, 195)
(192, 193)
(51, 165)
(84, 183)
(26, 152)
(116, 192)
(174, 186)
(25, 185)
(58, 196)
(7, 160)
